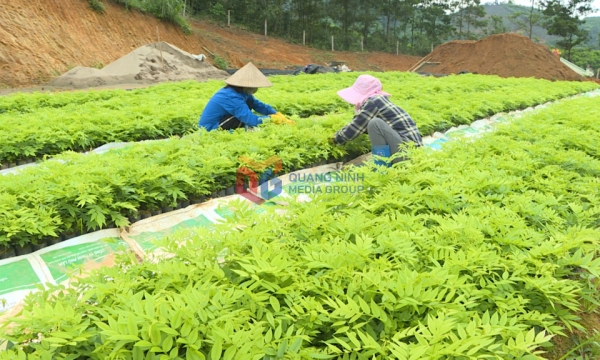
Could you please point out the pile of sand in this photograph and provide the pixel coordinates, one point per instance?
(148, 64)
(506, 55)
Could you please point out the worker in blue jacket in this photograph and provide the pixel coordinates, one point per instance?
(232, 106)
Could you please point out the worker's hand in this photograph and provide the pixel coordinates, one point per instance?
(279, 119)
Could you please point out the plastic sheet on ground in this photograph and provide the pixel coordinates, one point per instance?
(23, 274)
(481, 126)
(99, 150)
(55, 264)
(435, 142)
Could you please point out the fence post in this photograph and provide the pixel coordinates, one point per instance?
(162, 62)
(265, 26)
(397, 47)
(332, 43)
(303, 37)
(362, 44)
(228, 17)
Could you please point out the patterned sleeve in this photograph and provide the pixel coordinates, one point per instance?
(358, 125)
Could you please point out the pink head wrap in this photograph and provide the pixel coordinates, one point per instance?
(364, 87)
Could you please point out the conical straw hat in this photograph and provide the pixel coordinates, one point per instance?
(249, 76)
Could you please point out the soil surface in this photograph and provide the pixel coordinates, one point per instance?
(239, 47)
(575, 337)
(40, 40)
(505, 55)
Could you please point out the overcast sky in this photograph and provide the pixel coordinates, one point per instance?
(595, 5)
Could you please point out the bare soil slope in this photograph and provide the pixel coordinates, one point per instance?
(239, 47)
(42, 39)
(506, 55)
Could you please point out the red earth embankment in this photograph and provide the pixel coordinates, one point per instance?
(505, 55)
(42, 39)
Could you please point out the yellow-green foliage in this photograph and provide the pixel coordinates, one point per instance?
(481, 251)
(34, 125)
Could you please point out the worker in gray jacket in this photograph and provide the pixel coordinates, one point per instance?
(387, 124)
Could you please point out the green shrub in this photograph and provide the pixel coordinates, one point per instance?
(34, 125)
(218, 11)
(97, 6)
(169, 10)
(584, 56)
(484, 250)
(183, 24)
(220, 62)
(38, 124)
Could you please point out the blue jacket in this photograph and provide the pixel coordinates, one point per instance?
(227, 102)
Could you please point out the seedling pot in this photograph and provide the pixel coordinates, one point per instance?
(69, 236)
(156, 212)
(53, 241)
(24, 161)
(198, 200)
(41, 245)
(230, 190)
(7, 252)
(134, 218)
(23, 249)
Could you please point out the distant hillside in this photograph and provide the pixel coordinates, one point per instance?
(504, 10)
(592, 24)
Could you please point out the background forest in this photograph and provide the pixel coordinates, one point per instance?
(411, 27)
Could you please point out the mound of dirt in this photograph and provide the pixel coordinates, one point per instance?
(154, 63)
(505, 55)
